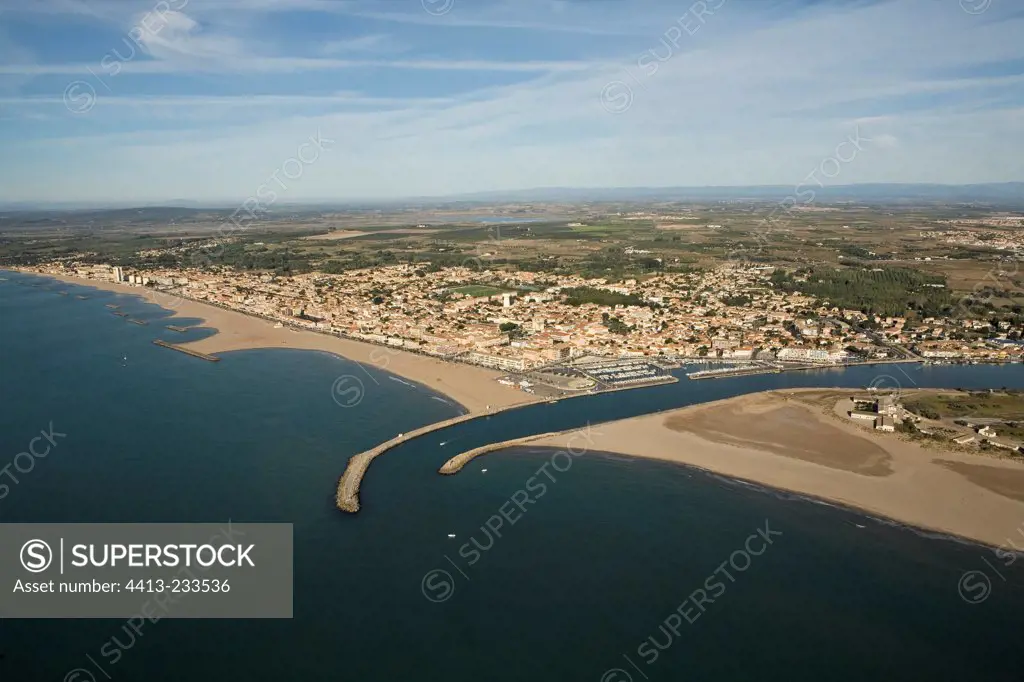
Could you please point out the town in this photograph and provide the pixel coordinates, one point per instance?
(517, 320)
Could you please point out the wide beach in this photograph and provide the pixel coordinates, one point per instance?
(472, 387)
(794, 440)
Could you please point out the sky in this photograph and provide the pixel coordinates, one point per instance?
(212, 100)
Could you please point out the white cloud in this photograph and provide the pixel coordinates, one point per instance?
(175, 36)
(203, 56)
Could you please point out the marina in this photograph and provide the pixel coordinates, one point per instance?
(621, 372)
(589, 376)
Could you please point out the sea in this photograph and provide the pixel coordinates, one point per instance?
(587, 584)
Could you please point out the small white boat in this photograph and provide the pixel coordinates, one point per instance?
(483, 471)
(451, 535)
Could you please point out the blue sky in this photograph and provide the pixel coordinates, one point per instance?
(127, 100)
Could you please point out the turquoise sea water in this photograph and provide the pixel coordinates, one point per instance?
(578, 589)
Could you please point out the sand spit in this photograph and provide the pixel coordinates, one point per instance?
(785, 440)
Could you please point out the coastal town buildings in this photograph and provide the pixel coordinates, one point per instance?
(518, 320)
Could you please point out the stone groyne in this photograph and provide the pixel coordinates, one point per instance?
(187, 351)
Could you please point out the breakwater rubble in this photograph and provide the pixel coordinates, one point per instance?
(187, 351)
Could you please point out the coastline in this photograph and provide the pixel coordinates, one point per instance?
(472, 388)
(964, 495)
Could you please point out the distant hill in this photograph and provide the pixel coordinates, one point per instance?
(1009, 194)
(149, 214)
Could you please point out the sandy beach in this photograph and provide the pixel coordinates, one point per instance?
(472, 387)
(791, 440)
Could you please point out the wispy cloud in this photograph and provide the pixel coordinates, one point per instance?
(236, 100)
(194, 63)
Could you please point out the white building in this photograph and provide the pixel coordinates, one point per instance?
(941, 354)
(803, 355)
(885, 423)
(497, 361)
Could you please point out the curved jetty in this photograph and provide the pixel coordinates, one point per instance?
(455, 464)
(347, 498)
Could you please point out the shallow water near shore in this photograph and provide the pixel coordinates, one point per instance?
(585, 576)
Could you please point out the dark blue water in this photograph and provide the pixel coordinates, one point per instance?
(572, 590)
